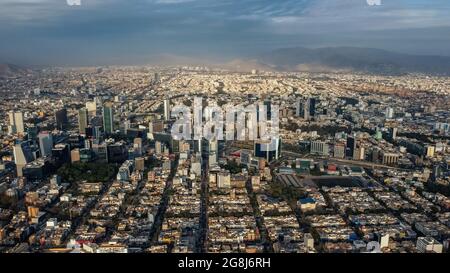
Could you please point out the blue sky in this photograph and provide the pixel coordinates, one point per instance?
(134, 31)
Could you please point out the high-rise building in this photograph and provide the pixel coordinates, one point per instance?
(428, 245)
(45, 143)
(16, 124)
(156, 78)
(339, 150)
(139, 163)
(305, 112)
(390, 158)
(83, 120)
(319, 148)
(91, 107)
(359, 154)
(117, 152)
(100, 151)
(108, 118)
(166, 109)
(32, 132)
(61, 118)
(138, 146)
(312, 106)
(61, 153)
(269, 150)
(22, 156)
(393, 133)
(298, 107)
(305, 108)
(268, 105)
(430, 151)
(351, 146)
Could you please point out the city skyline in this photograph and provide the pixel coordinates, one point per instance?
(173, 128)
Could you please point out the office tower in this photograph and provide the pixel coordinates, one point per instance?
(339, 150)
(166, 109)
(75, 141)
(22, 156)
(32, 132)
(117, 152)
(436, 173)
(45, 143)
(390, 158)
(108, 118)
(430, 151)
(269, 150)
(61, 118)
(125, 171)
(138, 146)
(393, 133)
(311, 106)
(359, 154)
(268, 105)
(140, 163)
(20, 125)
(298, 107)
(156, 78)
(91, 107)
(61, 153)
(97, 131)
(305, 108)
(126, 126)
(83, 120)
(319, 148)
(16, 124)
(351, 146)
(304, 112)
(100, 151)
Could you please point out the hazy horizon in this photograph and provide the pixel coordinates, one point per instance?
(113, 32)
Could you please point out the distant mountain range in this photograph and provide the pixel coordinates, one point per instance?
(353, 59)
(327, 59)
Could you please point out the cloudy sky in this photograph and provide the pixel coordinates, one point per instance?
(42, 32)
